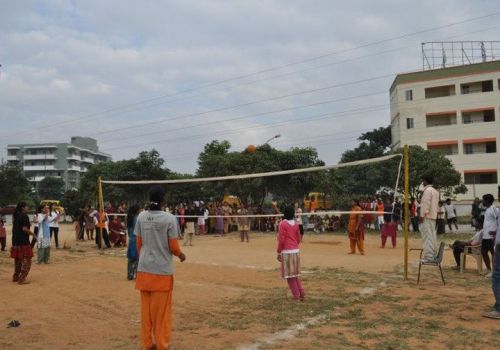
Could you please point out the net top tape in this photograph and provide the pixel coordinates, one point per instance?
(250, 176)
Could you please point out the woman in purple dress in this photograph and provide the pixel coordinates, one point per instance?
(219, 220)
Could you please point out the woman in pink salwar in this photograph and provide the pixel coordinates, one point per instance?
(289, 254)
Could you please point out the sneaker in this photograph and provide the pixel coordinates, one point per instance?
(492, 314)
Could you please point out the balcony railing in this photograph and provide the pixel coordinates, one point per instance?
(39, 156)
(38, 167)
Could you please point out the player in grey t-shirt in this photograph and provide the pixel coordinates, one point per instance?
(157, 241)
(156, 227)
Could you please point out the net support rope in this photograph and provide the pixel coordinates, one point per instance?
(254, 175)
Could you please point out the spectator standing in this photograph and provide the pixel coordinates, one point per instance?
(495, 278)
(451, 214)
(298, 220)
(429, 205)
(3, 233)
(489, 227)
(475, 212)
(191, 221)
(54, 225)
(21, 250)
(441, 222)
(414, 211)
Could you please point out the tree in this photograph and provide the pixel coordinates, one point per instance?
(217, 160)
(147, 166)
(374, 144)
(51, 188)
(14, 187)
(446, 178)
(365, 180)
(72, 203)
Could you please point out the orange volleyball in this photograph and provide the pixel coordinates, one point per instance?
(251, 148)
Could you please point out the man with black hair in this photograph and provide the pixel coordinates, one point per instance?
(495, 278)
(451, 214)
(428, 214)
(157, 242)
(490, 228)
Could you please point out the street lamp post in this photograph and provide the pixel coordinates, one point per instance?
(267, 143)
(272, 138)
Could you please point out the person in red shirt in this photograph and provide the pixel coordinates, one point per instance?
(116, 232)
(289, 254)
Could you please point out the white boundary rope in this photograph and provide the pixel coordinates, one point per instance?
(250, 176)
(316, 213)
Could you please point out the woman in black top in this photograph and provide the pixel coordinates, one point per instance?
(21, 250)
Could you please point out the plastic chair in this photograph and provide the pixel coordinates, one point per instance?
(474, 251)
(435, 262)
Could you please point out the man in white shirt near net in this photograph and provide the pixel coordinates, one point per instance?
(428, 215)
(451, 214)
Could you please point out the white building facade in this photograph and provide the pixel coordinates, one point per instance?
(454, 111)
(68, 161)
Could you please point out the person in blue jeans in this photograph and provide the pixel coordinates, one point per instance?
(495, 278)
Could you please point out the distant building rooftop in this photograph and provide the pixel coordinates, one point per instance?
(442, 73)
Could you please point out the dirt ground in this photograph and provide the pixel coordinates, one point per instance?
(228, 295)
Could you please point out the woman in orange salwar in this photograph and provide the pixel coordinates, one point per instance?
(356, 229)
(157, 242)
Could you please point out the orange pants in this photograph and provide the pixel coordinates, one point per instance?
(357, 242)
(156, 318)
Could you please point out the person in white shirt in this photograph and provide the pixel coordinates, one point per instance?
(428, 215)
(495, 277)
(54, 225)
(43, 220)
(459, 246)
(490, 228)
(298, 219)
(451, 214)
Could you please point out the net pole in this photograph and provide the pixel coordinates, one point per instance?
(101, 208)
(407, 207)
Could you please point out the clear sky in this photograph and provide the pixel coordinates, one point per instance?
(174, 75)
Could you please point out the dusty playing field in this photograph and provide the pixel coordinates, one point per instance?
(228, 296)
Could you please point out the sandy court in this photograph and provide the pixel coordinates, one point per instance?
(228, 295)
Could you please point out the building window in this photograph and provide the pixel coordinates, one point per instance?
(441, 119)
(440, 91)
(489, 115)
(477, 86)
(467, 119)
(487, 85)
(410, 123)
(468, 149)
(481, 178)
(491, 147)
(409, 95)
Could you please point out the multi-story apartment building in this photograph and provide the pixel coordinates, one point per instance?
(454, 111)
(68, 161)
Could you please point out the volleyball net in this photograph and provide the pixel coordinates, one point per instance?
(319, 191)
